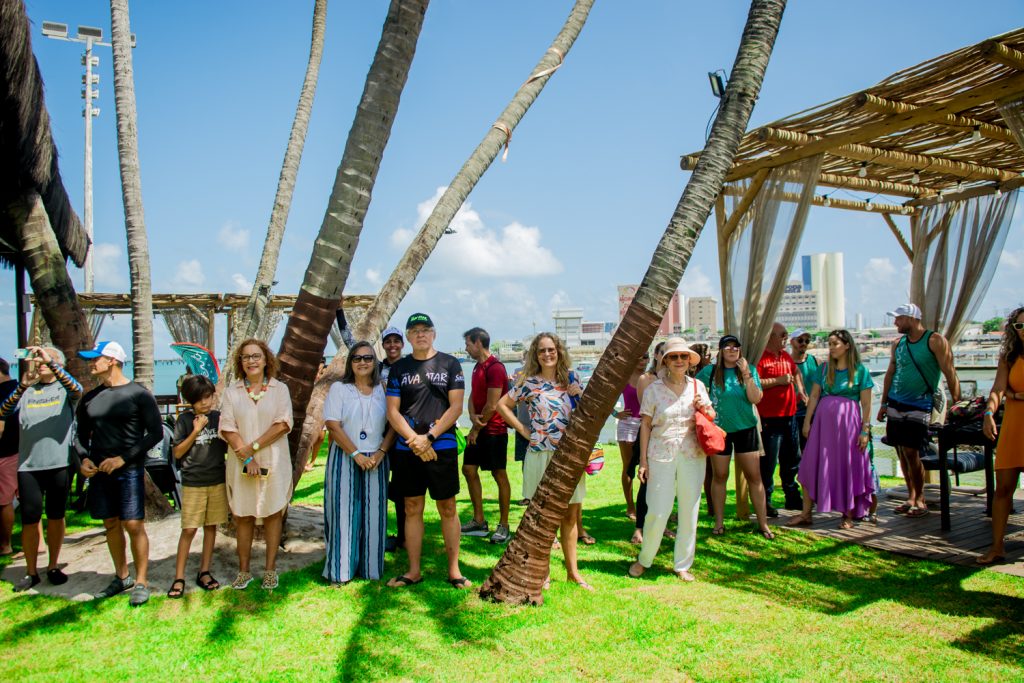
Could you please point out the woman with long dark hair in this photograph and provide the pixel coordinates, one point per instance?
(356, 480)
(546, 387)
(735, 389)
(1009, 384)
(835, 470)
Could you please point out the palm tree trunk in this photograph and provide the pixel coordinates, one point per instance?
(518, 576)
(55, 293)
(313, 314)
(394, 290)
(248, 321)
(131, 191)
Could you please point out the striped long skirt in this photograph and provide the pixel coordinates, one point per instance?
(355, 518)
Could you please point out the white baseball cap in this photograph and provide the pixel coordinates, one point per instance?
(110, 349)
(390, 331)
(909, 310)
(798, 332)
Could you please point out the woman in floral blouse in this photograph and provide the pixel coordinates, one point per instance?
(545, 386)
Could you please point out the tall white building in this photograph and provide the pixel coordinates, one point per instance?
(569, 325)
(701, 315)
(823, 273)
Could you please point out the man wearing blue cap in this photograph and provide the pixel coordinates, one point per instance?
(118, 422)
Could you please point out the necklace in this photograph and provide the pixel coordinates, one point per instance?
(259, 394)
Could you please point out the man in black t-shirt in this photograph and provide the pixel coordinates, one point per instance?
(424, 397)
(393, 342)
(118, 422)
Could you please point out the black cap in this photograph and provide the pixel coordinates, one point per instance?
(418, 319)
(728, 339)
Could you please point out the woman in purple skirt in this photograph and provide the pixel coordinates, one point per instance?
(835, 470)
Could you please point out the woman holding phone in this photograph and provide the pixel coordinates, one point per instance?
(256, 412)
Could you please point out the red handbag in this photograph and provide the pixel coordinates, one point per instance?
(710, 436)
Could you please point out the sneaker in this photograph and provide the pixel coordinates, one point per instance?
(475, 528)
(116, 585)
(30, 581)
(771, 512)
(242, 581)
(501, 534)
(269, 580)
(56, 577)
(140, 595)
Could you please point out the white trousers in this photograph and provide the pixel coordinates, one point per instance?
(682, 478)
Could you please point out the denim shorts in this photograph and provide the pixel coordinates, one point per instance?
(119, 495)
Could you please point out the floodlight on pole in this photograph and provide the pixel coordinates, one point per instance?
(91, 36)
(718, 81)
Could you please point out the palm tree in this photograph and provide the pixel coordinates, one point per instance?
(313, 314)
(518, 576)
(55, 293)
(131, 192)
(248, 322)
(394, 290)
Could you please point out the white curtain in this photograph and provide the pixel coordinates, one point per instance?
(188, 324)
(956, 249)
(761, 251)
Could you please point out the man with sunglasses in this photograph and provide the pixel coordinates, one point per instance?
(799, 342)
(783, 386)
(917, 360)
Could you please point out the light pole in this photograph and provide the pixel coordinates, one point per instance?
(91, 36)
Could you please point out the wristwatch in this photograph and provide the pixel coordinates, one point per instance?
(255, 446)
(431, 438)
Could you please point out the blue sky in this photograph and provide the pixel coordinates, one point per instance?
(591, 179)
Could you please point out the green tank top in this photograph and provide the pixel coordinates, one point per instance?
(917, 373)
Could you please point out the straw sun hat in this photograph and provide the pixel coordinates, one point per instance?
(678, 345)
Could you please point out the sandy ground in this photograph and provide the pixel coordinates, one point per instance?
(84, 557)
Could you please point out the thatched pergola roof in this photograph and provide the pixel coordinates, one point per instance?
(28, 157)
(930, 129)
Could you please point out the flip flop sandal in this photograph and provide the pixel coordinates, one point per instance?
(588, 539)
(403, 581)
(461, 583)
(718, 531)
(177, 589)
(918, 512)
(210, 585)
(585, 586)
(997, 559)
(765, 533)
(632, 570)
(903, 508)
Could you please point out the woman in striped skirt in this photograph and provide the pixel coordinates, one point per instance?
(356, 481)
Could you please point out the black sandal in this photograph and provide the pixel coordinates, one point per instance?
(210, 585)
(177, 589)
(765, 533)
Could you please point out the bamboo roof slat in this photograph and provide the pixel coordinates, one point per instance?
(931, 129)
(114, 302)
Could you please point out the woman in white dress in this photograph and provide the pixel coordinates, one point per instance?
(256, 414)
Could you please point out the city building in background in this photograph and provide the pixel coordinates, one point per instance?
(596, 335)
(702, 315)
(799, 307)
(823, 273)
(672, 323)
(569, 325)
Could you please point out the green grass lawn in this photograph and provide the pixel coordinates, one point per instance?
(799, 608)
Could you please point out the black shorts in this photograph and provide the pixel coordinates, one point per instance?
(745, 441)
(490, 452)
(35, 486)
(522, 445)
(121, 494)
(414, 477)
(906, 426)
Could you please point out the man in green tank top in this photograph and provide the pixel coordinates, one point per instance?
(918, 359)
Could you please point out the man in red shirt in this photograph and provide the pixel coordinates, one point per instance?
(487, 441)
(782, 384)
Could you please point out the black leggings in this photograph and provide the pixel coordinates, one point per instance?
(34, 485)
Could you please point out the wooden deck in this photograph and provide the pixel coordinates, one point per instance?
(921, 537)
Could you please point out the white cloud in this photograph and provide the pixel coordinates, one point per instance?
(109, 270)
(373, 276)
(189, 275)
(1012, 259)
(233, 237)
(695, 282)
(475, 250)
(242, 286)
(559, 299)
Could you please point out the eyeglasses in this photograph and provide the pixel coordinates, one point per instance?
(802, 341)
(547, 352)
(251, 356)
(731, 348)
(672, 357)
(368, 358)
(1017, 326)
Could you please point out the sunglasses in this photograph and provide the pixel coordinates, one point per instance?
(676, 356)
(363, 359)
(547, 352)
(1017, 326)
(803, 341)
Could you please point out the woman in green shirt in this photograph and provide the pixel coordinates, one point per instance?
(735, 389)
(835, 470)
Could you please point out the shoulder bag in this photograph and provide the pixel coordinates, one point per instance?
(710, 436)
